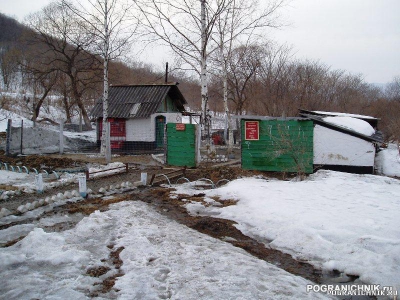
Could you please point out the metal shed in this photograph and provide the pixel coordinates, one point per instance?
(277, 144)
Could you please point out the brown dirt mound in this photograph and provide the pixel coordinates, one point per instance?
(41, 161)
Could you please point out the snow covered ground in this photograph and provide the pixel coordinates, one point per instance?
(161, 260)
(334, 220)
(27, 182)
(346, 222)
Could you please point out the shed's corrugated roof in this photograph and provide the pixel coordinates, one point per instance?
(122, 99)
(376, 137)
(371, 120)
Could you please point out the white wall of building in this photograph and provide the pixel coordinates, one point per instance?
(144, 130)
(140, 130)
(332, 147)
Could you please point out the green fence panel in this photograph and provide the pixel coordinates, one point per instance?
(181, 145)
(282, 145)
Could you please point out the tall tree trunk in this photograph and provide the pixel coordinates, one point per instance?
(225, 96)
(203, 72)
(78, 100)
(84, 113)
(103, 147)
(66, 107)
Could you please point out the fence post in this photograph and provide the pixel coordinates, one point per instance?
(143, 178)
(22, 134)
(61, 137)
(39, 183)
(198, 144)
(8, 139)
(82, 186)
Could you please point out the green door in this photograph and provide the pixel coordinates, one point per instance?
(181, 144)
(160, 123)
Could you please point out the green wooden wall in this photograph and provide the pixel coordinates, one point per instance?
(181, 145)
(283, 146)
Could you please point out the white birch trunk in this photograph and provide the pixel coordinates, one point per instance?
(226, 109)
(225, 96)
(203, 76)
(105, 132)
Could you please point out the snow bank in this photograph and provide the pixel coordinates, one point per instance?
(13, 178)
(353, 124)
(161, 259)
(16, 120)
(388, 161)
(333, 220)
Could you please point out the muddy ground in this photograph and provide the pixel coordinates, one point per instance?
(159, 198)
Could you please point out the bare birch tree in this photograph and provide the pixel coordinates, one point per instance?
(239, 24)
(111, 24)
(186, 26)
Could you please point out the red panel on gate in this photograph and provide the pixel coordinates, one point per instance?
(180, 127)
(252, 130)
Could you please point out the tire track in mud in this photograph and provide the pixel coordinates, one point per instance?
(225, 230)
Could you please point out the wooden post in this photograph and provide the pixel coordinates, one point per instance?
(8, 139)
(61, 137)
(22, 135)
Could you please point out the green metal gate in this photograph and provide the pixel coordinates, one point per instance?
(277, 145)
(181, 144)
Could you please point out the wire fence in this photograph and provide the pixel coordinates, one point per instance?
(67, 138)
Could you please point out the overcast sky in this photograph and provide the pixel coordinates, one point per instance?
(359, 36)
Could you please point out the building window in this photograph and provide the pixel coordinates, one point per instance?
(135, 109)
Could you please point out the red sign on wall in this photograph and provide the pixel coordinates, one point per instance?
(180, 127)
(252, 130)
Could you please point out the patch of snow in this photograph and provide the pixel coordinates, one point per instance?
(161, 259)
(15, 232)
(333, 220)
(84, 135)
(13, 178)
(388, 161)
(15, 120)
(338, 114)
(351, 123)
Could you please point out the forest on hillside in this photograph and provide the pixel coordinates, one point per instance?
(50, 58)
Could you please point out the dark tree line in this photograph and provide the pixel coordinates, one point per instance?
(267, 80)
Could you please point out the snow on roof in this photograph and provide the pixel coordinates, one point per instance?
(351, 123)
(338, 114)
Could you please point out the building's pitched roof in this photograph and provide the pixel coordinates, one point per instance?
(143, 100)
